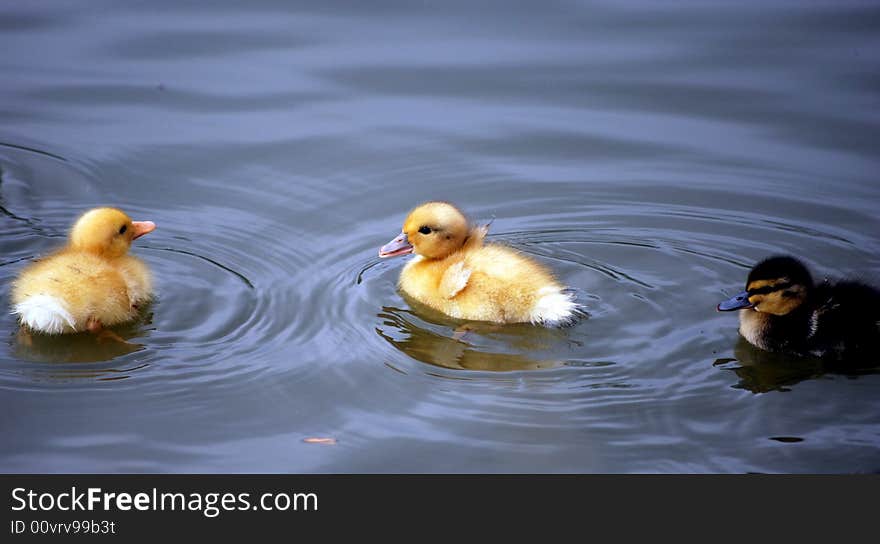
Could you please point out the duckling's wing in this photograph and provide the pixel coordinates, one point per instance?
(476, 236)
(483, 230)
(454, 280)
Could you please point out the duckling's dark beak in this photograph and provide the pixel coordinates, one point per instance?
(398, 246)
(739, 302)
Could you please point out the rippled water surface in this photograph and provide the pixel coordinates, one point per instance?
(648, 152)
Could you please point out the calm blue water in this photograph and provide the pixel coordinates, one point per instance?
(648, 152)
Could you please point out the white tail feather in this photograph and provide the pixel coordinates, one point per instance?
(555, 308)
(44, 313)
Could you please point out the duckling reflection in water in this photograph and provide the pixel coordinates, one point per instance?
(762, 371)
(424, 344)
(782, 310)
(455, 273)
(81, 347)
(90, 284)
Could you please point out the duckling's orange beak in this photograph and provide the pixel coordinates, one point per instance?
(139, 228)
(396, 247)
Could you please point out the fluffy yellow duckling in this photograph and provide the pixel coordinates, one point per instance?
(455, 273)
(89, 284)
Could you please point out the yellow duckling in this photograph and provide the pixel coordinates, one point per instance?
(89, 284)
(455, 273)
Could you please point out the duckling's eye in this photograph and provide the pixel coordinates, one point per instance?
(425, 230)
(122, 229)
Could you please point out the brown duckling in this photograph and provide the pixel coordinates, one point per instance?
(783, 310)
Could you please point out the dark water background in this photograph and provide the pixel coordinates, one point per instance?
(649, 152)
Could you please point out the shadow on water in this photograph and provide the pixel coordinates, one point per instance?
(762, 371)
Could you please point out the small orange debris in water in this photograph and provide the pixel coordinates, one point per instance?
(327, 441)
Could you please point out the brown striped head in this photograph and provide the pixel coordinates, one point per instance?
(776, 286)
